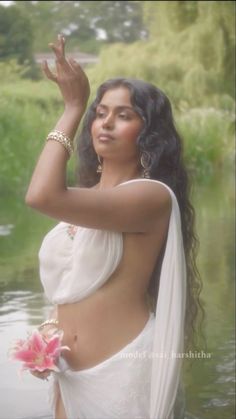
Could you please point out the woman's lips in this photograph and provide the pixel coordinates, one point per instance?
(105, 137)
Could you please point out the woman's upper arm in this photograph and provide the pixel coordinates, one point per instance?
(134, 207)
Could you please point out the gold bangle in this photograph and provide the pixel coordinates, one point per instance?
(50, 322)
(62, 139)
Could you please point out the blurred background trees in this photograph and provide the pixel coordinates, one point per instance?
(16, 34)
(87, 24)
(195, 44)
(189, 52)
(186, 48)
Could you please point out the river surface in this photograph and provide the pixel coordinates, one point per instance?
(209, 385)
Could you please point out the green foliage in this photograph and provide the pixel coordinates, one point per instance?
(189, 53)
(10, 71)
(121, 20)
(208, 136)
(27, 112)
(83, 22)
(15, 34)
(169, 16)
(199, 36)
(16, 40)
(188, 56)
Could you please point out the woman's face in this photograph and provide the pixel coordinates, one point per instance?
(116, 126)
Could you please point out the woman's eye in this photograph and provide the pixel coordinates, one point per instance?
(100, 114)
(123, 116)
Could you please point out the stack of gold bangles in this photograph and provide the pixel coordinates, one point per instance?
(63, 139)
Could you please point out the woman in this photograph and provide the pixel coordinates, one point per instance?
(117, 248)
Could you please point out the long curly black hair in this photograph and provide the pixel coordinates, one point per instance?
(160, 139)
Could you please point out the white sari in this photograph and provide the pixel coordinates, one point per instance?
(153, 383)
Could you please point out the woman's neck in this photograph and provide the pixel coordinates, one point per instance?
(111, 177)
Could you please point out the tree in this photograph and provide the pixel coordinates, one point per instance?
(196, 42)
(189, 53)
(16, 35)
(87, 24)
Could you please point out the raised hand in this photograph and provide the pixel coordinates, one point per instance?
(69, 76)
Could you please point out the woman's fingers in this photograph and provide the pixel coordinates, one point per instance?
(76, 67)
(42, 375)
(62, 65)
(61, 44)
(59, 48)
(69, 76)
(48, 73)
(63, 68)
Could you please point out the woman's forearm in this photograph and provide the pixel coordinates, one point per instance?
(49, 177)
(69, 121)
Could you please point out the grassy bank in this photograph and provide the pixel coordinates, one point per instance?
(28, 110)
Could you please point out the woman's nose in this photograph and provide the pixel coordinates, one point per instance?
(108, 122)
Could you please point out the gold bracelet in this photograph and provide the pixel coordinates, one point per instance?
(50, 322)
(63, 139)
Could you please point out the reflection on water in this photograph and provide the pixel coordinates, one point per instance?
(210, 382)
(20, 312)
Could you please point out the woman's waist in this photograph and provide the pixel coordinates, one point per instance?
(100, 317)
(96, 336)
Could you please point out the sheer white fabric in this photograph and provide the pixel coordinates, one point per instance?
(71, 270)
(117, 388)
(170, 316)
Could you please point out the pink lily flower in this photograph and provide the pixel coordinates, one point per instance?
(38, 352)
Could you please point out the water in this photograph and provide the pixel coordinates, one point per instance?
(20, 396)
(210, 384)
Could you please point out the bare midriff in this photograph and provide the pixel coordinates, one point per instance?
(100, 325)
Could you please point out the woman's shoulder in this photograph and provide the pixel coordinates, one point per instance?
(153, 187)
